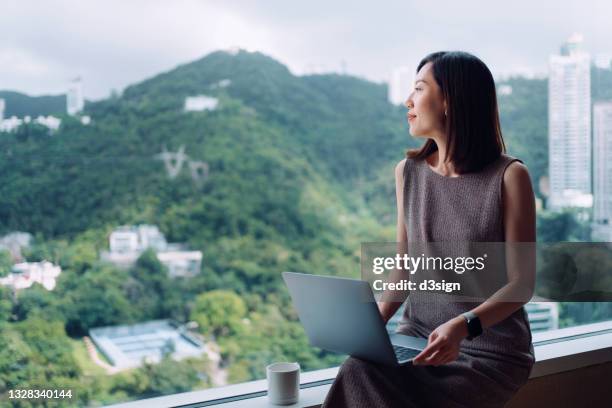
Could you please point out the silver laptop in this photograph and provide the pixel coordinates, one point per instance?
(341, 315)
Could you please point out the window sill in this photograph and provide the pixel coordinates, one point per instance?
(556, 351)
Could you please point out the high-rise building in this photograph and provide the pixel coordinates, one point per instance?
(74, 98)
(542, 316)
(602, 171)
(569, 126)
(2, 106)
(603, 60)
(400, 85)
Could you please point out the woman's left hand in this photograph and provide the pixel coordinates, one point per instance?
(443, 343)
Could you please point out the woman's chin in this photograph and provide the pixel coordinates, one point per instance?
(415, 133)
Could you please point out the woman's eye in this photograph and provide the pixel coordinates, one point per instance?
(418, 89)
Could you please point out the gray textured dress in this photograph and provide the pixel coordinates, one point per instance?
(489, 369)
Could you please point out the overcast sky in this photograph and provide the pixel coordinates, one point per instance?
(114, 43)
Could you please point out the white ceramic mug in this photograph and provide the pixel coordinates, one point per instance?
(283, 383)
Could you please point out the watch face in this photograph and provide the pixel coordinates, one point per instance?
(473, 324)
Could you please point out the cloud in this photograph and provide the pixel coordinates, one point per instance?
(113, 43)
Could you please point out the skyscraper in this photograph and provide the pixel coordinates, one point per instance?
(400, 85)
(602, 171)
(74, 97)
(542, 316)
(569, 126)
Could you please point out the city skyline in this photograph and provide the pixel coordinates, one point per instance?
(114, 44)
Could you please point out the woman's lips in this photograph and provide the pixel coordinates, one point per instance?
(410, 117)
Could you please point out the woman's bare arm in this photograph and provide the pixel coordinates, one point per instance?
(386, 306)
(519, 226)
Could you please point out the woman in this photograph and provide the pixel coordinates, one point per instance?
(460, 186)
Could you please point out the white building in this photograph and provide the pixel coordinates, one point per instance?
(10, 124)
(200, 103)
(542, 316)
(2, 107)
(75, 101)
(127, 243)
(50, 122)
(25, 274)
(603, 61)
(128, 346)
(400, 85)
(602, 171)
(129, 238)
(569, 126)
(181, 263)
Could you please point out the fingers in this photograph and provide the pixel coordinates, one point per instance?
(429, 349)
(435, 356)
(442, 356)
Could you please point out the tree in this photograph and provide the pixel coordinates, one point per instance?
(170, 377)
(219, 313)
(6, 263)
(152, 290)
(561, 226)
(6, 304)
(166, 377)
(36, 354)
(37, 300)
(97, 299)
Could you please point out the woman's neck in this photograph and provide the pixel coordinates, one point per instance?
(435, 160)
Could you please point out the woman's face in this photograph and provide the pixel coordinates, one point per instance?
(426, 105)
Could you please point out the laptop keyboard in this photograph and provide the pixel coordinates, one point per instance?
(403, 353)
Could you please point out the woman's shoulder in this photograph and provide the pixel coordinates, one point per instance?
(508, 158)
(501, 165)
(515, 171)
(511, 165)
(399, 167)
(404, 168)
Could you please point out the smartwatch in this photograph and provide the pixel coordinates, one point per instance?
(473, 325)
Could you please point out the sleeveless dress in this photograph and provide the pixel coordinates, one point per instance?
(490, 368)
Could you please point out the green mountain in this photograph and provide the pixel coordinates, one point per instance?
(20, 105)
(277, 148)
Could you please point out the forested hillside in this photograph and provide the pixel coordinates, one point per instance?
(20, 105)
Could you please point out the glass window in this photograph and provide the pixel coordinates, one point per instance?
(156, 180)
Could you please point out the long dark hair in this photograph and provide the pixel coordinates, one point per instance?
(472, 121)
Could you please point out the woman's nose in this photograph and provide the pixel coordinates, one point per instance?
(409, 103)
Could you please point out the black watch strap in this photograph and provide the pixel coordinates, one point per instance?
(473, 325)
